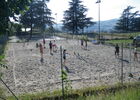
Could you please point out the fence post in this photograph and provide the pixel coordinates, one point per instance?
(130, 49)
(62, 73)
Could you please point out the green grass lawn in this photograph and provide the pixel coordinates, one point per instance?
(119, 42)
(128, 41)
(2, 48)
(125, 35)
(127, 94)
(1, 57)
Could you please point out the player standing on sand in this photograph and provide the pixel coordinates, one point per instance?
(50, 46)
(41, 52)
(44, 42)
(64, 56)
(117, 50)
(86, 44)
(37, 45)
(64, 63)
(135, 54)
(54, 46)
(82, 43)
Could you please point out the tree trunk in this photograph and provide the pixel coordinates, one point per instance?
(31, 15)
(25, 29)
(31, 31)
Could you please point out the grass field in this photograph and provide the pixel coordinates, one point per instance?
(92, 36)
(1, 57)
(2, 48)
(126, 35)
(128, 41)
(2, 95)
(126, 94)
(116, 92)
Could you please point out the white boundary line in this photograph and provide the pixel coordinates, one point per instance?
(14, 66)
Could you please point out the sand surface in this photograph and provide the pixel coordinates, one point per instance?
(95, 66)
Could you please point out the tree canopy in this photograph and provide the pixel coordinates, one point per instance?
(10, 8)
(38, 15)
(128, 21)
(75, 18)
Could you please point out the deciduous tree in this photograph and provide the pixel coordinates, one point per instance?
(10, 8)
(38, 15)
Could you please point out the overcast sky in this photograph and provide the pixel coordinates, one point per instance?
(110, 9)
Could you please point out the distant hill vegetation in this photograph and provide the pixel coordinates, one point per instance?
(105, 26)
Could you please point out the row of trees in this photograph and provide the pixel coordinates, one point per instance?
(128, 21)
(39, 15)
(75, 19)
(35, 13)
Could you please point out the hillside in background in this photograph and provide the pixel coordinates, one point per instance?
(105, 26)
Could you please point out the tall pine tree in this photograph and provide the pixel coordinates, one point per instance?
(127, 21)
(75, 18)
(137, 23)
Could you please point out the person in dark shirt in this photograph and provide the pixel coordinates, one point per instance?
(44, 43)
(117, 50)
(41, 52)
(82, 43)
(50, 46)
(135, 54)
(37, 45)
(64, 56)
